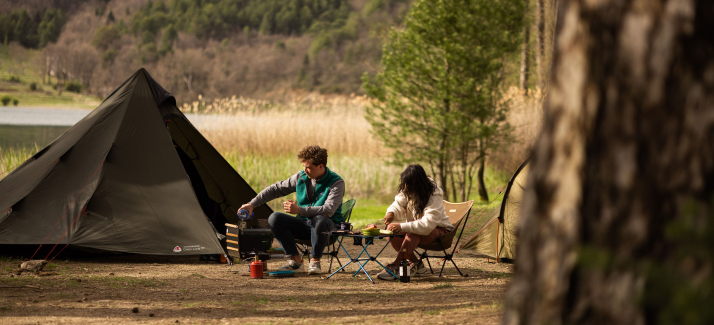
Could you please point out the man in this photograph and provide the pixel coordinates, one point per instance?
(319, 207)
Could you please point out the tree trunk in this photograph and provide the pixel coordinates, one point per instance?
(188, 79)
(524, 59)
(540, 42)
(441, 169)
(627, 142)
(482, 193)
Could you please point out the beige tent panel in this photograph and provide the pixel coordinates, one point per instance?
(485, 241)
(497, 237)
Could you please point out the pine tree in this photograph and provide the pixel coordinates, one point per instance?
(438, 98)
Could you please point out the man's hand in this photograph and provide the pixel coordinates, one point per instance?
(247, 206)
(394, 227)
(389, 218)
(291, 207)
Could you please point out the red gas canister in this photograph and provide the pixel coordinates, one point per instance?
(256, 269)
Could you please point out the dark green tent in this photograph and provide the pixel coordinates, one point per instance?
(132, 176)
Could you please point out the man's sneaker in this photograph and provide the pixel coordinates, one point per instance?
(418, 268)
(384, 275)
(314, 268)
(290, 266)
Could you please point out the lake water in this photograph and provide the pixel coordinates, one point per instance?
(27, 127)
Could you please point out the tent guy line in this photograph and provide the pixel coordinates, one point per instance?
(65, 213)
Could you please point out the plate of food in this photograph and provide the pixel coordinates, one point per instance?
(370, 230)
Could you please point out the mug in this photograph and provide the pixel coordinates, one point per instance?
(345, 226)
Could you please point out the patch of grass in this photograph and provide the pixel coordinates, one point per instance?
(189, 305)
(198, 275)
(433, 312)
(263, 301)
(6, 258)
(51, 267)
(443, 286)
(292, 299)
(366, 212)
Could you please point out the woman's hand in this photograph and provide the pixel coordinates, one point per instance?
(389, 218)
(394, 227)
(291, 207)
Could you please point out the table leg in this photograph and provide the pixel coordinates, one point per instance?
(367, 242)
(380, 252)
(339, 240)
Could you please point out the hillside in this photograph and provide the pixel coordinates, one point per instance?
(214, 48)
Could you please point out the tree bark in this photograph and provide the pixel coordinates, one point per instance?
(627, 141)
(524, 59)
(482, 193)
(540, 42)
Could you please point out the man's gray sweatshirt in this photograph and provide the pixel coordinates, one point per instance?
(283, 188)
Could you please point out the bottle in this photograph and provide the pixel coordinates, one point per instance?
(404, 269)
(256, 269)
(244, 215)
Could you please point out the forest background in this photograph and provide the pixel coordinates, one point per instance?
(275, 65)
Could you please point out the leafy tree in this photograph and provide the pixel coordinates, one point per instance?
(438, 98)
(167, 39)
(24, 29)
(105, 36)
(50, 26)
(6, 28)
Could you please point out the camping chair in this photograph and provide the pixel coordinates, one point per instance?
(332, 250)
(458, 214)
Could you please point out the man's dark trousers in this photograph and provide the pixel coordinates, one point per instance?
(286, 228)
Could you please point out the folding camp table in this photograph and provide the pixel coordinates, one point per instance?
(368, 240)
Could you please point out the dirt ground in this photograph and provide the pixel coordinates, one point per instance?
(169, 290)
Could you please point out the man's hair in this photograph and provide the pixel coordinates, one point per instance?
(313, 154)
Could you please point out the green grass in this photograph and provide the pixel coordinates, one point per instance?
(367, 212)
(371, 182)
(18, 62)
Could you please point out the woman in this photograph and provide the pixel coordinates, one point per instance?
(420, 204)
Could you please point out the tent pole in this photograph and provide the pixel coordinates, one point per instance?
(498, 228)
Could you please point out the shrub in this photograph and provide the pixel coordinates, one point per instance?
(73, 86)
(13, 78)
(5, 100)
(15, 101)
(33, 86)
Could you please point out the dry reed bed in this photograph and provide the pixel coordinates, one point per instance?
(525, 115)
(270, 128)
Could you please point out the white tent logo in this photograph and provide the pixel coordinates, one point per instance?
(177, 249)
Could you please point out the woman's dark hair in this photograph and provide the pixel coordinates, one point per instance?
(414, 183)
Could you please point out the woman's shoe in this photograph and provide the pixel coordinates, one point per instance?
(418, 268)
(384, 275)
